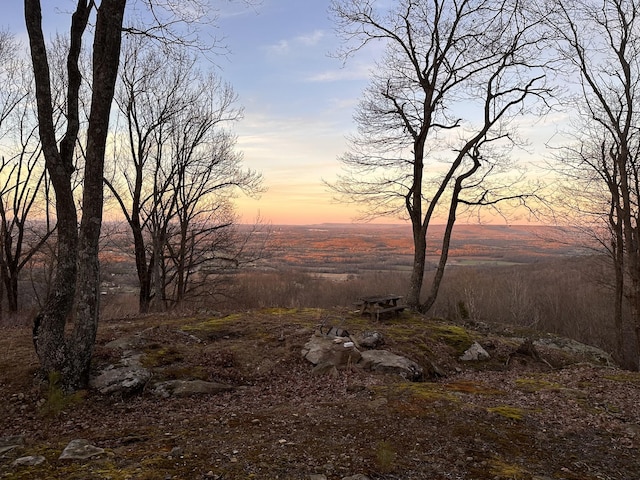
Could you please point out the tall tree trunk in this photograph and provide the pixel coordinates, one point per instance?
(77, 251)
(418, 268)
(413, 205)
(158, 300)
(106, 57)
(446, 239)
(49, 324)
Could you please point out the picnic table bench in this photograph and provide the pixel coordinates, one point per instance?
(380, 304)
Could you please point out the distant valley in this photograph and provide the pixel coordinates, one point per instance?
(354, 248)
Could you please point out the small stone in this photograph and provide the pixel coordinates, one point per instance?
(7, 448)
(28, 461)
(79, 449)
(176, 452)
(474, 353)
(378, 402)
(11, 441)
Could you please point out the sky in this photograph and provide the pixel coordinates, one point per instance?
(298, 100)
(298, 104)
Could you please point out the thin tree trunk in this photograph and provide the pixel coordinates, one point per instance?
(49, 324)
(142, 269)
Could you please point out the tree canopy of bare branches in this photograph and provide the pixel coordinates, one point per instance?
(437, 121)
(179, 171)
(598, 42)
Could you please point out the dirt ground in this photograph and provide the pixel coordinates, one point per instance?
(514, 416)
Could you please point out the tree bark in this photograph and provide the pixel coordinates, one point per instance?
(418, 268)
(49, 324)
(78, 264)
(106, 57)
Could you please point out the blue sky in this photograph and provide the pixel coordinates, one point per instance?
(298, 101)
(298, 104)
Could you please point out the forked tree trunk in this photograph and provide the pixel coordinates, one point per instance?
(78, 265)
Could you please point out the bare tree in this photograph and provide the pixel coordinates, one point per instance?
(23, 173)
(599, 42)
(150, 92)
(21, 194)
(77, 275)
(207, 174)
(177, 198)
(12, 78)
(437, 121)
(75, 292)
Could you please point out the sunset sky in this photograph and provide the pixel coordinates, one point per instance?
(298, 101)
(298, 104)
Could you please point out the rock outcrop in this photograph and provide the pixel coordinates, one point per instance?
(126, 378)
(325, 351)
(188, 388)
(80, 449)
(387, 362)
(329, 353)
(475, 353)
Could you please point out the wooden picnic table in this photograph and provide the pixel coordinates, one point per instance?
(380, 304)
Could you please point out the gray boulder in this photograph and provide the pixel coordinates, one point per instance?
(370, 340)
(326, 350)
(10, 442)
(387, 362)
(127, 378)
(28, 461)
(80, 450)
(188, 388)
(592, 354)
(474, 353)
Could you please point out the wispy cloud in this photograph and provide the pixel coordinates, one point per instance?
(311, 39)
(288, 46)
(281, 48)
(355, 71)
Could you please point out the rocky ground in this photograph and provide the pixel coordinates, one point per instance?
(239, 401)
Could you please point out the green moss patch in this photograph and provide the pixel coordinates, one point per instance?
(507, 411)
(501, 469)
(624, 377)
(212, 323)
(453, 335)
(57, 400)
(431, 392)
(529, 384)
(156, 355)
